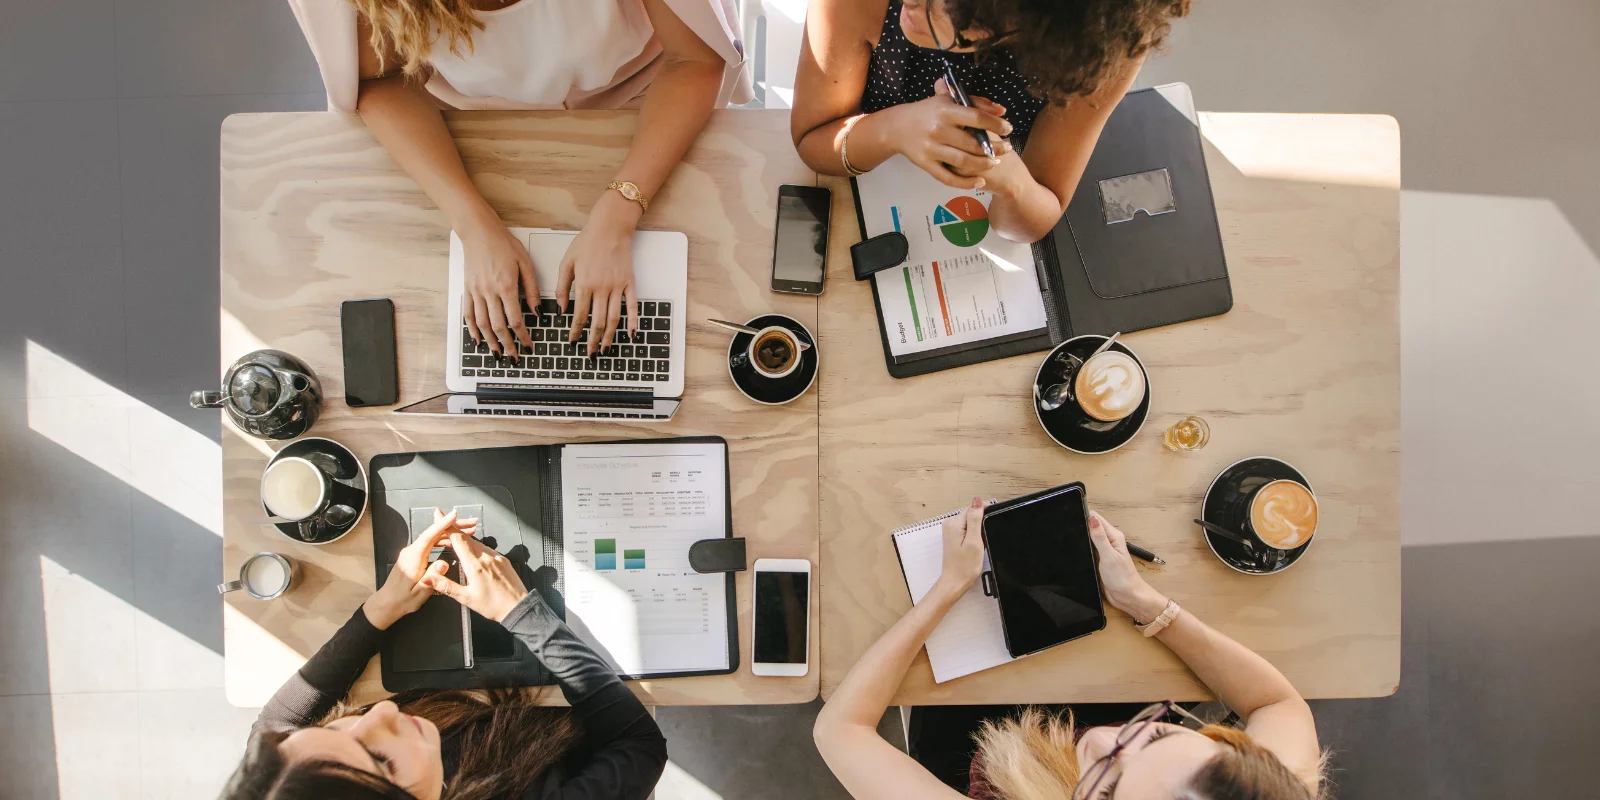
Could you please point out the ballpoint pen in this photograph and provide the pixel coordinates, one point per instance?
(958, 93)
(1140, 553)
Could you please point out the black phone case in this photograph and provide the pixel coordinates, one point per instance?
(825, 198)
(362, 396)
(990, 581)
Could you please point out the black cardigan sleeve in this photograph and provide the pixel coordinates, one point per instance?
(325, 679)
(626, 752)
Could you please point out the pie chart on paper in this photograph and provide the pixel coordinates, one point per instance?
(963, 221)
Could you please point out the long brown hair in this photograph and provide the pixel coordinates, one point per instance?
(1032, 757)
(507, 742)
(408, 28)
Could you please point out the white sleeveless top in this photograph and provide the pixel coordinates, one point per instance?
(538, 53)
(541, 52)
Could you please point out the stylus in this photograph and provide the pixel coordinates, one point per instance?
(1140, 553)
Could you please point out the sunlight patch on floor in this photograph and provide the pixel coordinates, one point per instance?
(146, 449)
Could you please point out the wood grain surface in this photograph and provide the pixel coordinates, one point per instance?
(1306, 367)
(315, 212)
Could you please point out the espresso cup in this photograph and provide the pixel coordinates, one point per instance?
(262, 576)
(774, 352)
(1283, 514)
(1109, 386)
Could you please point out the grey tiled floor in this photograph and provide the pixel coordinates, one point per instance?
(110, 632)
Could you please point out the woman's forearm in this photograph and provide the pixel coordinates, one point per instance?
(675, 109)
(1023, 209)
(870, 141)
(408, 125)
(1240, 678)
(869, 686)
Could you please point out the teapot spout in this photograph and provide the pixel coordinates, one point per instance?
(205, 400)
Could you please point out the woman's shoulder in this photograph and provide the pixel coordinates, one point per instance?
(853, 18)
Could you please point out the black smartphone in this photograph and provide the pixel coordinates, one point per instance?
(1045, 574)
(800, 243)
(371, 376)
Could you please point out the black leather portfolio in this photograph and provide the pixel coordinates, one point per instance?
(516, 494)
(1138, 247)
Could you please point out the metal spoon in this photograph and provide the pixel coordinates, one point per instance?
(1104, 347)
(734, 326)
(1055, 396)
(1227, 534)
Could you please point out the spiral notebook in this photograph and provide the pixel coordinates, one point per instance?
(969, 639)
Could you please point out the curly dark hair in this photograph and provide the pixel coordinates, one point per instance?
(1068, 48)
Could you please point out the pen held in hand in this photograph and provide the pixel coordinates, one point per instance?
(958, 93)
(1144, 555)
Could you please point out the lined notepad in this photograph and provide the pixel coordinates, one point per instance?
(969, 638)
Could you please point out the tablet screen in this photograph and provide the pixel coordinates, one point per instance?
(1045, 572)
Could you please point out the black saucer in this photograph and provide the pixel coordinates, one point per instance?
(1227, 503)
(773, 391)
(349, 474)
(1068, 425)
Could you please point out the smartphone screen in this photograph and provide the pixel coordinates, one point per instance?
(800, 246)
(781, 604)
(1045, 573)
(370, 372)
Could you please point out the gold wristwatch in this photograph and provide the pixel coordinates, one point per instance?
(629, 190)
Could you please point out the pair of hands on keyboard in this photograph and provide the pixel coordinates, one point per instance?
(597, 273)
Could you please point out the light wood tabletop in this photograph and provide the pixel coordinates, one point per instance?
(315, 212)
(1305, 367)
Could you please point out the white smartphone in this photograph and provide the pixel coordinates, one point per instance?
(781, 636)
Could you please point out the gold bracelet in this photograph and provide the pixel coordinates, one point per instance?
(629, 190)
(844, 147)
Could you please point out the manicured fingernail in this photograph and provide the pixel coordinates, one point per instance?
(994, 161)
(1008, 129)
(1094, 521)
(977, 501)
(979, 185)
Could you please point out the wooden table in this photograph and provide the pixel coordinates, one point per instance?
(314, 212)
(1306, 367)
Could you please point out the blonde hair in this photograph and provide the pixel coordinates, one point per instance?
(408, 28)
(1032, 757)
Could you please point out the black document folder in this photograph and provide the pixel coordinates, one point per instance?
(517, 491)
(1138, 247)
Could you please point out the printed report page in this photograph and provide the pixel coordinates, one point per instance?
(631, 511)
(961, 282)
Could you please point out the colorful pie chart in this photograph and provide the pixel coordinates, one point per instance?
(963, 220)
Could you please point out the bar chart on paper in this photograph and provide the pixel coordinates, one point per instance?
(631, 512)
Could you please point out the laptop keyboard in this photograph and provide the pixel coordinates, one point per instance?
(643, 357)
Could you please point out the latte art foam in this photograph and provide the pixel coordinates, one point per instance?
(1284, 514)
(1109, 386)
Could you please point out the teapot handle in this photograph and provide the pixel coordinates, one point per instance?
(205, 399)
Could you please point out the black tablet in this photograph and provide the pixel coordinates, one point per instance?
(1044, 569)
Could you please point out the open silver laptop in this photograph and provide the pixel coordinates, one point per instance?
(642, 377)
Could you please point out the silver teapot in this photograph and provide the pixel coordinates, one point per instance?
(268, 394)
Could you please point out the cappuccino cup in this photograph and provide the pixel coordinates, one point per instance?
(1283, 514)
(263, 576)
(1109, 386)
(774, 352)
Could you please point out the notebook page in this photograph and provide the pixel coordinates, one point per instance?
(969, 638)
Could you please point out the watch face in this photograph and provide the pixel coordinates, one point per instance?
(630, 191)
